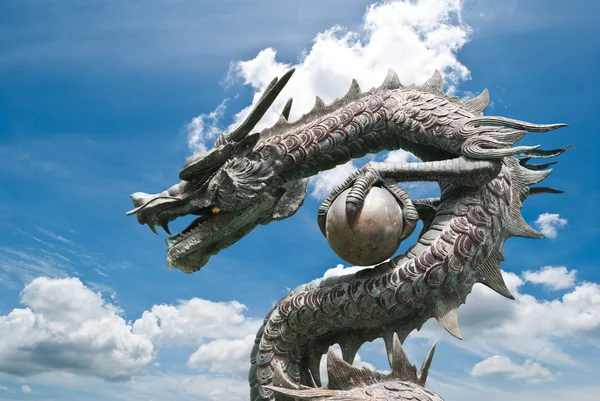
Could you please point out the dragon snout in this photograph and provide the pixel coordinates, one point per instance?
(140, 198)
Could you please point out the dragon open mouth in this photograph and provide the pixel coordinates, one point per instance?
(195, 226)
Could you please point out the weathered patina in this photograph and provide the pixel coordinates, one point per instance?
(247, 180)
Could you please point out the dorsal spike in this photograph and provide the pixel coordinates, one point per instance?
(479, 103)
(287, 108)
(391, 81)
(388, 339)
(280, 121)
(354, 90)
(544, 190)
(424, 371)
(449, 320)
(435, 84)
(319, 104)
(518, 227)
(491, 276)
(339, 372)
(402, 369)
(540, 153)
(281, 380)
(531, 177)
(537, 167)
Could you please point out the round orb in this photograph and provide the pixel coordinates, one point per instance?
(376, 233)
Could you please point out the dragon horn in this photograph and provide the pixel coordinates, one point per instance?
(266, 100)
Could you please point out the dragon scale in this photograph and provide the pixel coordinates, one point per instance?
(462, 246)
(247, 180)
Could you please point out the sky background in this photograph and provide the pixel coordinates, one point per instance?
(102, 99)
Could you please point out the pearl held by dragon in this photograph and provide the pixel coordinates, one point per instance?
(376, 233)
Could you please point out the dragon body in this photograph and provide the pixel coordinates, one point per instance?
(246, 180)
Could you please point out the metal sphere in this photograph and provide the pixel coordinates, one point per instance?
(376, 233)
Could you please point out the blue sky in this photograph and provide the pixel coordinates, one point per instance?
(95, 102)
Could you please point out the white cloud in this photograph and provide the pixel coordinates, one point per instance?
(205, 128)
(325, 181)
(412, 37)
(195, 321)
(229, 356)
(55, 236)
(340, 270)
(399, 156)
(25, 388)
(555, 278)
(67, 327)
(528, 327)
(549, 223)
(529, 371)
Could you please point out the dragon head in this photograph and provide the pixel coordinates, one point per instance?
(228, 187)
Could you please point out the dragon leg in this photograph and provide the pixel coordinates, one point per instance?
(462, 171)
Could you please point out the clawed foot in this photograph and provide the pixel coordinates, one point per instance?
(359, 183)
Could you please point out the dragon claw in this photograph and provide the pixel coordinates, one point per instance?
(359, 183)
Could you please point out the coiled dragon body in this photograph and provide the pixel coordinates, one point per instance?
(246, 180)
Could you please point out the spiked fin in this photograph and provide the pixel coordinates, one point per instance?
(449, 320)
(354, 91)
(391, 81)
(340, 373)
(287, 108)
(544, 190)
(540, 153)
(402, 369)
(531, 177)
(388, 339)
(319, 104)
(435, 84)
(479, 103)
(280, 121)
(518, 227)
(281, 380)
(491, 276)
(424, 372)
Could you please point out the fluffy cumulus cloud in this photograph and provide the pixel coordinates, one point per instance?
(65, 326)
(205, 128)
(555, 278)
(527, 327)
(412, 37)
(228, 356)
(221, 332)
(549, 223)
(194, 322)
(529, 371)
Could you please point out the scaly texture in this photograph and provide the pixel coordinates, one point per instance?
(256, 179)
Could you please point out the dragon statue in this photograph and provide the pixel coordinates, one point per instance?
(251, 179)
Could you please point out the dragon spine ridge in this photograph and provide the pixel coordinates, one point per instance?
(463, 245)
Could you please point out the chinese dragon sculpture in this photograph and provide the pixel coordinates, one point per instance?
(251, 179)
